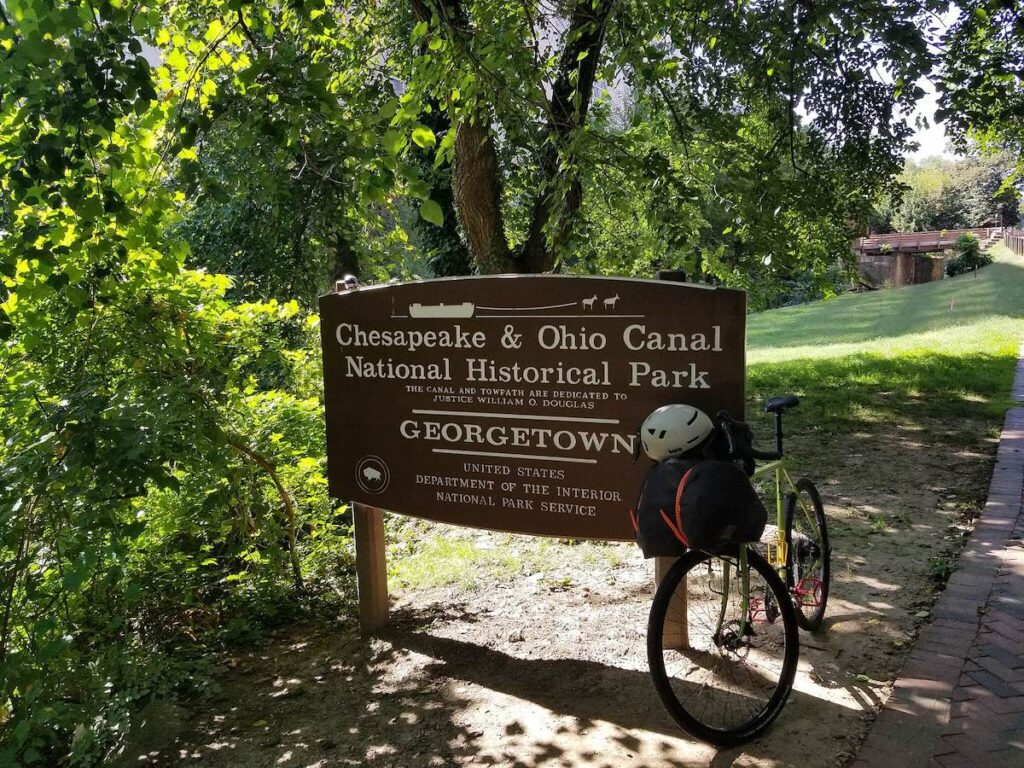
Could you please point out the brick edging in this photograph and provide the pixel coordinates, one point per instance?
(1017, 391)
(917, 713)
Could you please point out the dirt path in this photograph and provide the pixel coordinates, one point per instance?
(549, 668)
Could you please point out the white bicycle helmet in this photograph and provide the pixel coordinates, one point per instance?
(674, 429)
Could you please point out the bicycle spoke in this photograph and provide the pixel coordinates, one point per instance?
(808, 560)
(729, 675)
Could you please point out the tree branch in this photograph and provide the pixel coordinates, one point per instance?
(561, 193)
(11, 584)
(246, 31)
(291, 515)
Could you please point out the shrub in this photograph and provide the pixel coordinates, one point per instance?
(187, 506)
(969, 256)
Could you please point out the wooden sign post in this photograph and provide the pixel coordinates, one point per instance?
(676, 631)
(371, 567)
(512, 402)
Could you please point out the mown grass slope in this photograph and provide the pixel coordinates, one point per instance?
(942, 349)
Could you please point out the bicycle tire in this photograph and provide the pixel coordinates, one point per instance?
(707, 701)
(809, 573)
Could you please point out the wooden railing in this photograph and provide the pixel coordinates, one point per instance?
(920, 242)
(1014, 240)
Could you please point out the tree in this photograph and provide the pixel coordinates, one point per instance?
(704, 61)
(264, 215)
(990, 194)
(514, 121)
(160, 447)
(937, 193)
(733, 212)
(981, 88)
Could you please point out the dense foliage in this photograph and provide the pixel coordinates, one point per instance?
(961, 193)
(162, 447)
(981, 85)
(161, 453)
(418, 113)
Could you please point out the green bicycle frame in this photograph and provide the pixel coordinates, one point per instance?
(776, 552)
(743, 570)
(777, 555)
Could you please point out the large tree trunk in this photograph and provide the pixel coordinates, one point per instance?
(346, 260)
(476, 179)
(561, 194)
(477, 188)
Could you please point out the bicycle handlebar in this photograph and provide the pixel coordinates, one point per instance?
(724, 422)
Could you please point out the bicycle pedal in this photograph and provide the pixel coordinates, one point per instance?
(808, 592)
(760, 612)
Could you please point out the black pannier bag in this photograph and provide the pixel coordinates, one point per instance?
(689, 504)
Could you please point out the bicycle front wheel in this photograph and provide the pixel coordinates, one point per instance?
(722, 657)
(808, 554)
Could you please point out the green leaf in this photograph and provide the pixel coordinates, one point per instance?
(176, 60)
(394, 142)
(423, 136)
(431, 211)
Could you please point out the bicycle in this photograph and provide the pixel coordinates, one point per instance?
(723, 639)
(798, 544)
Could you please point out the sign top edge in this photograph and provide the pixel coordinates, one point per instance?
(514, 276)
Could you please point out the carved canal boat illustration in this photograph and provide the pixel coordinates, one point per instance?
(465, 309)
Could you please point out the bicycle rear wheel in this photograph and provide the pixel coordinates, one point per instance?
(725, 675)
(808, 554)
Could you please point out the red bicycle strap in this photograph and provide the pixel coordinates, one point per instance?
(677, 532)
(679, 506)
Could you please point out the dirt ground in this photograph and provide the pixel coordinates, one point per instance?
(549, 668)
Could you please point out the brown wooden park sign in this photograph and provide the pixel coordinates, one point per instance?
(512, 402)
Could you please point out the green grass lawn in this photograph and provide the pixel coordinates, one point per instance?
(895, 315)
(940, 350)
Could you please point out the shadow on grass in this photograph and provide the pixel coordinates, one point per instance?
(853, 391)
(997, 289)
